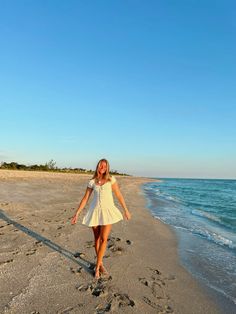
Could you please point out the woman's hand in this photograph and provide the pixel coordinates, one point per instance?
(74, 219)
(82, 204)
(127, 215)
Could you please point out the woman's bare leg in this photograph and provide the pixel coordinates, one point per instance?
(104, 233)
(96, 232)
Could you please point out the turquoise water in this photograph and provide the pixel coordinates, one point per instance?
(203, 213)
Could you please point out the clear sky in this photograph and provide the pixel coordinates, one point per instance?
(149, 85)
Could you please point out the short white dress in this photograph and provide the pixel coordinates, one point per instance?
(102, 210)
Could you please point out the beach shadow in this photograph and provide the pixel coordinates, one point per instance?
(78, 260)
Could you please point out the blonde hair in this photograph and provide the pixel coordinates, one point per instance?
(106, 175)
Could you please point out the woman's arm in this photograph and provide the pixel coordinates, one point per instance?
(116, 190)
(82, 204)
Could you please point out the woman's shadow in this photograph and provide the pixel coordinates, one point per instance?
(75, 257)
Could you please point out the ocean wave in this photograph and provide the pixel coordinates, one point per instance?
(210, 216)
(165, 196)
(219, 239)
(223, 221)
(207, 234)
(179, 212)
(214, 237)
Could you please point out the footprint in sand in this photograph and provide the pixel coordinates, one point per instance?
(7, 261)
(114, 302)
(15, 252)
(38, 243)
(111, 300)
(156, 291)
(89, 244)
(78, 270)
(113, 247)
(153, 304)
(156, 275)
(70, 309)
(162, 309)
(31, 252)
(116, 249)
(79, 254)
(57, 235)
(155, 287)
(129, 242)
(98, 288)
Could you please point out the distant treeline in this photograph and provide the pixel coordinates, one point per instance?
(49, 166)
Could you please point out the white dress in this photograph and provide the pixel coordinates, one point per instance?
(102, 210)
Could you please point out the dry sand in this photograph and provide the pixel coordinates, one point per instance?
(45, 262)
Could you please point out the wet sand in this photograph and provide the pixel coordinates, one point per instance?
(46, 264)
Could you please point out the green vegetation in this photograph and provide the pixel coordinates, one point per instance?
(50, 166)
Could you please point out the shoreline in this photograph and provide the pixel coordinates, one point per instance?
(141, 257)
(198, 255)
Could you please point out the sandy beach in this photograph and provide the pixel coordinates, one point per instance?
(46, 264)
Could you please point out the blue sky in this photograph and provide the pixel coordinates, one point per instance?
(150, 85)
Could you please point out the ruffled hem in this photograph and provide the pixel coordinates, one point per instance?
(100, 217)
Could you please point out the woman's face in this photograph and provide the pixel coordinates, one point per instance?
(102, 167)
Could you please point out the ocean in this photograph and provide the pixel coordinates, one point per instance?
(203, 214)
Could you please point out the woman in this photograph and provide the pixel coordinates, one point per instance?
(102, 212)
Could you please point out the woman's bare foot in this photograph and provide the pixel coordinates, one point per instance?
(103, 270)
(97, 273)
